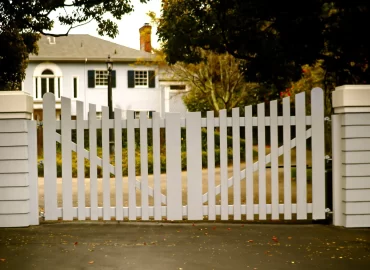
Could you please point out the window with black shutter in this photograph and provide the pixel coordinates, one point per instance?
(91, 78)
(131, 79)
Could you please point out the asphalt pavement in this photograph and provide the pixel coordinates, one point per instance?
(152, 245)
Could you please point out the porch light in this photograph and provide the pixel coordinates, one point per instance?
(109, 64)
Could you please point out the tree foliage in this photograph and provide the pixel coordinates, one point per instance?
(215, 83)
(276, 38)
(22, 22)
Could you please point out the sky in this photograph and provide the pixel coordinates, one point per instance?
(128, 26)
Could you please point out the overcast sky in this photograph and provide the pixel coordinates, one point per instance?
(128, 26)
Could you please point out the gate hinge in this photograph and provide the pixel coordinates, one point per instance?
(39, 123)
(328, 119)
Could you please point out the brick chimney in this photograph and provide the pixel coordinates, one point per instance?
(145, 38)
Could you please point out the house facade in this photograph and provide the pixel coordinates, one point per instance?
(75, 66)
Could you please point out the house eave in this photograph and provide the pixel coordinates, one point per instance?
(85, 59)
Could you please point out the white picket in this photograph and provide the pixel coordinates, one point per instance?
(274, 160)
(157, 166)
(93, 162)
(211, 165)
(236, 163)
(66, 159)
(106, 163)
(318, 154)
(118, 162)
(50, 153)
(249, 162)
(144, 165)
(194, 165)
(301, 169)
(287, 160)
(173, 166)
(80, 160)
(131, 165)
(223, 165)
(261, 161)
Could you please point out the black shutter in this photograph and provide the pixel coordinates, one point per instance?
(90, 78)
(113, 79)
(131, 79)
(151, 79)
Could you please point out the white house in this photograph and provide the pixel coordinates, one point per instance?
(75, 66)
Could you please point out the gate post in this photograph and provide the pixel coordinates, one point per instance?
(18, 161)
(351, 156)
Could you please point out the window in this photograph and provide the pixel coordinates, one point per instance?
(47, 82)
(141, 79)
(177, 87)
(149, 114)
(75, 87)
(101, 77)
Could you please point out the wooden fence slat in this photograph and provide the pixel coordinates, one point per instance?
(274, 160)
(106, 163)
(80, 160)
(66, 159)
(131, 165)
(236, 163)
(144, 165)
(93, 162)
(157, 166)
(318, 154)
(261, 161)
(173, 166)
(287, 160)
(301, 169)
(50, 153)
(249, 162)
(194, 165)
(211, 165)
(223, 165)
(118, 162)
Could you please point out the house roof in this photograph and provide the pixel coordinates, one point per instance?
(76, 47)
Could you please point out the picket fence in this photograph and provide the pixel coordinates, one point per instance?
(199, 206)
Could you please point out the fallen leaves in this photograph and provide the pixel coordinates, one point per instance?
(2, 260)
(250, 241)
(274, 238)
(91, 262)
(76, 243)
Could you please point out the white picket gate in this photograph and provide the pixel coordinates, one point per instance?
(199, 205)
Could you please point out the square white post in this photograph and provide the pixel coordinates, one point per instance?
(18, 161)
(351, 156)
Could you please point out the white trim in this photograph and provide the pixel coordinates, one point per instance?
(46, 65)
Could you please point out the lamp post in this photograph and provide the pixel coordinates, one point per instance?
(110, 106)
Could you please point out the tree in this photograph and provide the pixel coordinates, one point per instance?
(215, 83)
(275, 37)
(22, 22)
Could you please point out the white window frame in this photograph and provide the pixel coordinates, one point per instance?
(95, 75)
(147, 78)
(38, 88)
(73, 87)
(37, 76)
